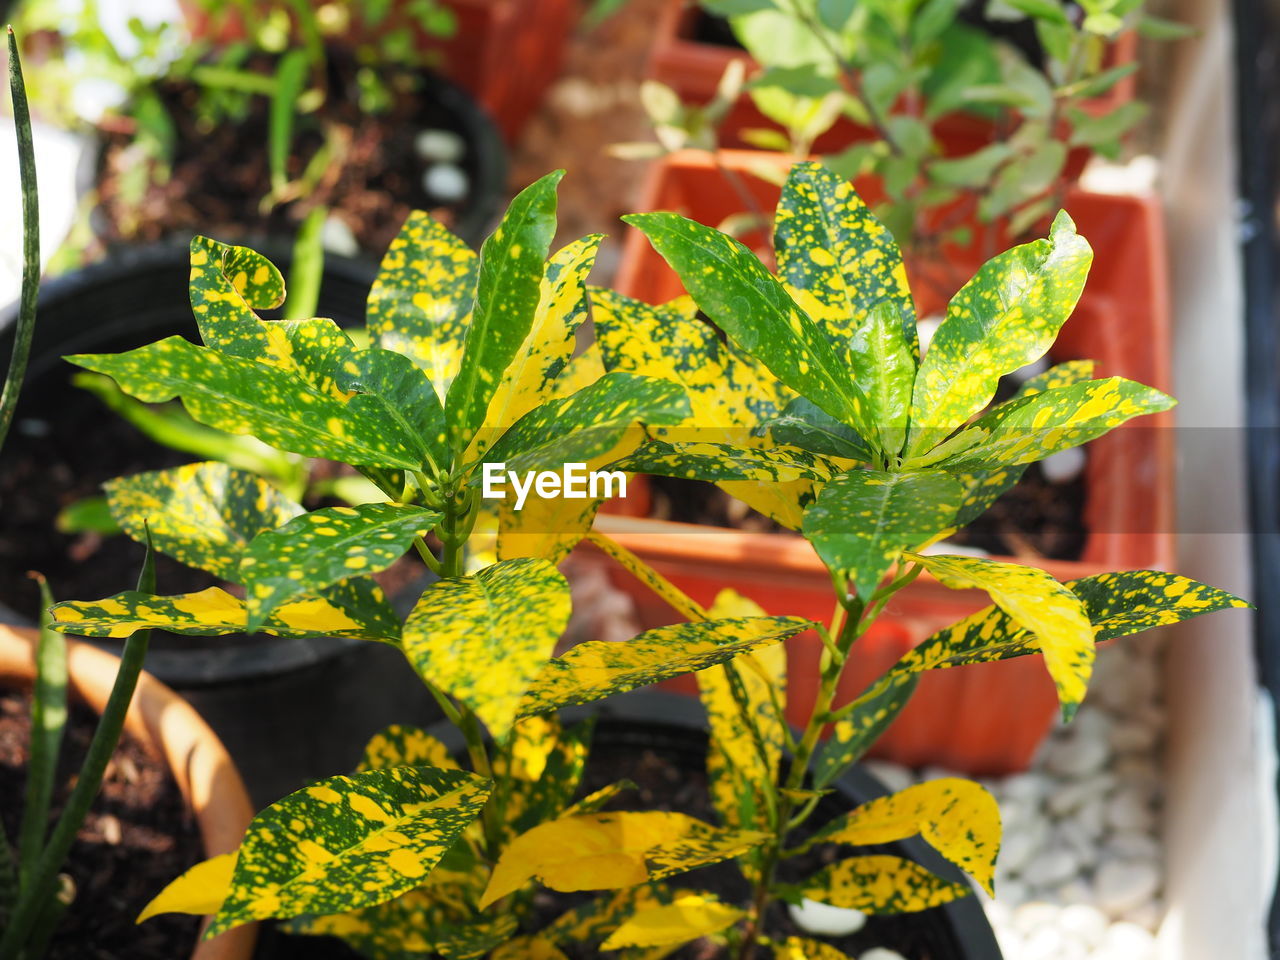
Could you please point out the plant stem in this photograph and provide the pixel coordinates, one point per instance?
(307, 270)
(26, 322)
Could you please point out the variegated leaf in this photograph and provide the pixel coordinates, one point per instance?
(856, 733)
(1005, 317)
(421, 301)
(884, 366)
(475, 940)
(838, 260)
(717, 462)
(322, 547)
(1035, 600)
(881, 884)
(798, 948)
(683, 604)
(863, 520)
(593, 920)
(484, 638)
(246, 396)
(1060, 375)
(228, 284)
(528, 948)
(211, 613)
(199, 891)
(598, 668)
(982, 488)
(202, 514)
(745, 300)
(688, 917)
(604, 851)
(348, 842)
(390, 388)
(540, 793)
(507, 293)
(805, 426)
(956, 817)
(401, 746)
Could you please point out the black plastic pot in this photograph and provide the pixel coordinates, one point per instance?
(674, 727)
(289, 710)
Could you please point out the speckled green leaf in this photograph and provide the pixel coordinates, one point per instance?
(804, 425)
(402, 746)
(736, 291)
(1059, 375)
(202, 514)
(423, 296)
(881, 884)
(1033, 427)
(1044, 606)
(982, 488)
(212, 613)
(679, 601)
(545, 765)
(246, 396)
(884, 366)
(484, 638)
(474, 940)
(595, 669)
(856, 733)
(1005, 317)
(958, 818)
(228, 284)
(862, 521)
(349, 842)
(320, 548)
(837, 259)
(392, 390)
(412, 925)
(798, 948)
(320, 350)
(580, 427)
(593, 920)
(718, 461)
(606, 851)
(507, 293)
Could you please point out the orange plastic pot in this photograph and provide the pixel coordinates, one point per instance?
(171, 731)
(985, 719)
(693, 69)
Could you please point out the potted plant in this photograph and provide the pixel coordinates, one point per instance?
(472, 415)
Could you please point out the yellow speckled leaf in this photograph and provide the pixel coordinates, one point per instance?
(593, 920)
(798, 948)
(211, 613)
(688, 917)
(400, 746)
(686, 606)
(422, 299)
(1059, 375)
(201, 890)
(348, 842)
(598, 668)
(881, 884)
(1038, 602)
(228, 284)
(540, 771)
(483, 638)
(869, 716)
(956, 817)
(528, 948)
(1005, 317)
(605, 851)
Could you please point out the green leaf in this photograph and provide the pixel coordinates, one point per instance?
(401, 746)
(688, 917)
(422, 299)
(804, 425)
(982, 488)
(1033, 427)
(585, 424)
(1050, 10)
(1159, 28)
(868, 718)
(245, 396)
(598, 668)
(291, 79)
(227, 285)
(1005, 317)
(507, 293)
(348, 842)
(881, 884)
(543, 771)
(862, 521)
(885, 365)
(715, 462)
(972, 169)
(744, 299)
(1090, 131)
(483, 639)
(390, 387)
(798, 948)
(838, 261)
(1099, 83)
(48, 722)
(322, 547)
(1059, 375)
(202, 514)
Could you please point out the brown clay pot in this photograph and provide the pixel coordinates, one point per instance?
(985, 719)
(171, 730)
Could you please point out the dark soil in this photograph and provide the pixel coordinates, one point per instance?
(220, 172)
(138, 836)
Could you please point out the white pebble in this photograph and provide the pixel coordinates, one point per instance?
(1076, 756)
(1129, 811)
(1013, 893)
(1018, 849)
(1051, 868)
(894, 776)
(937, 773)
(1063, 466)
(1030, 917)
(336, 237)
(1075, 892)
(926, 327)
(1133, 737)
(1084, 923)
(1025, 786)
(1130, 941)
(1134, 846)
(1125, 885)
(440, 146)
(1147, 916)
(1010, 942)
(882, 953)
(447, 184)
(825, 920)
(1075, 794)
(948, 548)
(1045, 943)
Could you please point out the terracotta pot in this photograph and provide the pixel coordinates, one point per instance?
(171, 730)
(995, 714)
(693, 69)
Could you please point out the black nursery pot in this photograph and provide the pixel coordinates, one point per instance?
(289, 710)
(645, 731)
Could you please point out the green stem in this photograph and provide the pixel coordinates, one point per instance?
(307, 270)
(44, 879)
(26, 323)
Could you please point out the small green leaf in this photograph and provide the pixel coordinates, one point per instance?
(1159, 28)
(390, 387)
(855, 734)
(320, 548)
(348, 842)
(804, 425)
(884, 364)
(227, 285)
(291, 79)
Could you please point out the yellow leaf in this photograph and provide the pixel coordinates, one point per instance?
(685, 605)
(688, 917)
(605, 851)
(881, 884)
(201, 890)
(527, 948)
(797, 948)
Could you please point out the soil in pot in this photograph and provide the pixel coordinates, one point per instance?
(138, 836)
(220, 171)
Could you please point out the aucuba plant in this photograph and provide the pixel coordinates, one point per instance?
(815, 406)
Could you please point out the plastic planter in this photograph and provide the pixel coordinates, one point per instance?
(985, 719)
